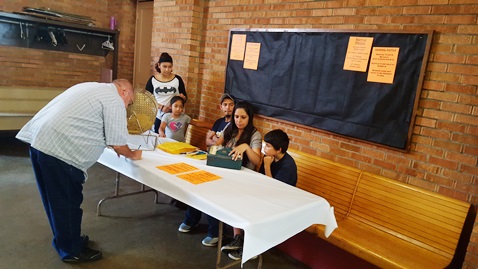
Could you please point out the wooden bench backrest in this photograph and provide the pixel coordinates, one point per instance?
(332, 181)
(18, 104)
(425, 218)
(24, 99)
(196, 134)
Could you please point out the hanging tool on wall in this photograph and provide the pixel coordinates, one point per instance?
(22, 36)
(52, 36)
(107, 45)
(61, 37)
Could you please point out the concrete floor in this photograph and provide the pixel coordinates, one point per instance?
(137, 233)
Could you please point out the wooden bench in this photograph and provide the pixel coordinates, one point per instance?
(386, 222)
(196, 133)
(18, 104)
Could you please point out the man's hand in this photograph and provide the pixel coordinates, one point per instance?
(137, 155)
(127, 152)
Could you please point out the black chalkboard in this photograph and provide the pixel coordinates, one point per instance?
(300, 78)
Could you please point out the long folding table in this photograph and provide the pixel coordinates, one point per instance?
(268, 210)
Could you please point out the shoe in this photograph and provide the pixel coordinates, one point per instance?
(237, 255)
(184, 228)
(85, 239)
(86, 255)
(235, 244)
(178, 204)
(210, 241)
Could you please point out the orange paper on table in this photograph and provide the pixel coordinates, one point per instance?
(199, 177)
(177, 168)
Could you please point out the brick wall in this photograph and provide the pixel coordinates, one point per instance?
(125, 13)
(23, 66)
(443, 156)
(33, 67)
(178, 30)
(444, 150)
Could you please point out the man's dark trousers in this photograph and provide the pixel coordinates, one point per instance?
(61, 190)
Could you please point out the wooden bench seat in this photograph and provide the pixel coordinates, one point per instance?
(383, 221)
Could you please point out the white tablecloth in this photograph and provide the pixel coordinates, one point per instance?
(268, 210)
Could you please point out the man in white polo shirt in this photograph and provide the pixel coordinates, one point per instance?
(67, 137)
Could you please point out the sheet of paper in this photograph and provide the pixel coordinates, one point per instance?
(199, 177)
(358, 53)
(142, 142)
(253, 51)
(238, 45)
(383, 64)
(177, 168)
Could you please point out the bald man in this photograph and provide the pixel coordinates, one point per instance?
(67, 137)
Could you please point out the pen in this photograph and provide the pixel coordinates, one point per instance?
(188, 153)
(200, 152)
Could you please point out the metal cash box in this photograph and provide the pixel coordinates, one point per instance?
(219, 157)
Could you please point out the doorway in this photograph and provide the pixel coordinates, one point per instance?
(142, 50)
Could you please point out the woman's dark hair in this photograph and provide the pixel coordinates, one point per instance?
(164, 58)
(231, 131)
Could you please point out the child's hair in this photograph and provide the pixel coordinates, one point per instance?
(164, 58)
(278, 139)
(176, 98)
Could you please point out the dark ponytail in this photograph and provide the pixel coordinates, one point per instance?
(164, 58)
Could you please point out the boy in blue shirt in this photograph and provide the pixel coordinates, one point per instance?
(277, 163)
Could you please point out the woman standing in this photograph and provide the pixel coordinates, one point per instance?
(164, 85)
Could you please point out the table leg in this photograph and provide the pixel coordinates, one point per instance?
(117, 195)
